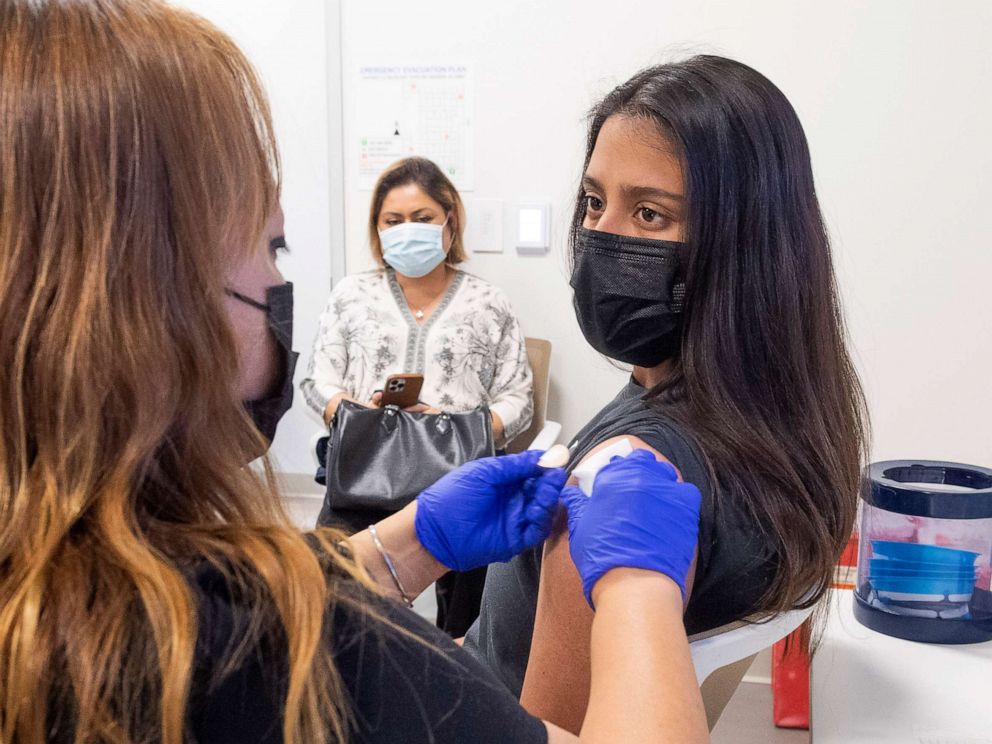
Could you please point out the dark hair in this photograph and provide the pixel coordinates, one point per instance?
(763, 380)
(425, 174)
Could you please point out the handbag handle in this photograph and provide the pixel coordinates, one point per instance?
(443, 423)
(390, 418)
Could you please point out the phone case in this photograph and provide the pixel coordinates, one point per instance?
(402, 390)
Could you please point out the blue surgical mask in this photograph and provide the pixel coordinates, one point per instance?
(414, 249)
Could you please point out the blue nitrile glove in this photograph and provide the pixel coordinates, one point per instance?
(638, 516)
(488, 510)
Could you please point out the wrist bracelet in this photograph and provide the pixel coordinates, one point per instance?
(389, 564)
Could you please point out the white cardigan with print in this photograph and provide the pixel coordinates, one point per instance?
(470, 351)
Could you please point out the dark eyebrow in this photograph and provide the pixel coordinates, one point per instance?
(647, 192)
(590, 181)
(400, 215)
(636, 192)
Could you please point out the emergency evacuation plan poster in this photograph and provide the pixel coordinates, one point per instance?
(423, 110)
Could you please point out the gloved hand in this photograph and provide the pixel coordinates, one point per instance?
(638, 516)
(488, 510)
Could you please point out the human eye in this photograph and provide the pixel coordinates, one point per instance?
(278, 246)
(593, 203)
(653, 217)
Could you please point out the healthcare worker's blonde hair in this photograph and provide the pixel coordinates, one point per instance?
(137, 162)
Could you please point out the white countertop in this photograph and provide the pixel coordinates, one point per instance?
(870, 688)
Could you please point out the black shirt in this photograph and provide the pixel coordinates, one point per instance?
(733, 570)
(402, 688)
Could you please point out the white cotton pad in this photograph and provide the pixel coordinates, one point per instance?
(585, 473)
(556, 457)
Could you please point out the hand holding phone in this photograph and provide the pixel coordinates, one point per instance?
(402, 390)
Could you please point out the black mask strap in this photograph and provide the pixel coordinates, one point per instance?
(247, 300)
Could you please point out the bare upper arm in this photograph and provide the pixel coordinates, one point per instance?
(556, 684)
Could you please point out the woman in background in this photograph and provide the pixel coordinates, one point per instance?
(419, 313)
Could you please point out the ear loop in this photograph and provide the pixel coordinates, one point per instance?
(247, 300)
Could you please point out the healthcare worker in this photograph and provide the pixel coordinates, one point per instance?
(153, 588)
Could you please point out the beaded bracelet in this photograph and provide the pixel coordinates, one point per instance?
(389, 564)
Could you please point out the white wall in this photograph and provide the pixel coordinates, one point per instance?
(894, 96)
(288, 44)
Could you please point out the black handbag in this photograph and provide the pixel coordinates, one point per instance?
(379, 459)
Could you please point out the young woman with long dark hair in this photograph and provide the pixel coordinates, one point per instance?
(700, 258)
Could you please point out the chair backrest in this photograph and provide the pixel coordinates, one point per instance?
(539, 358)
(722, 656)
(712, 650)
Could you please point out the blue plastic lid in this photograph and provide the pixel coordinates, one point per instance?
(908, 573)
(891, 564)
(922, 553)
(923, 586)
(903, 486)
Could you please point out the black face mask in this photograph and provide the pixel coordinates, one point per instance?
(628, 296)
(267, 412)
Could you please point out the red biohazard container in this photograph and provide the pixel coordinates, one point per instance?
(790, 659)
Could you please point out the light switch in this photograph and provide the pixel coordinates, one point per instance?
(484, 226)
(533, 228)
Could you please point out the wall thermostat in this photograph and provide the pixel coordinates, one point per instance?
(533, 228)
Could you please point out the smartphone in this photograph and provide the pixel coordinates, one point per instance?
(402, 390)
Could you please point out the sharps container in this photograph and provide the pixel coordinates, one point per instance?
(924, 555)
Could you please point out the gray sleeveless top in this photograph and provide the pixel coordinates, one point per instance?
(734, 567)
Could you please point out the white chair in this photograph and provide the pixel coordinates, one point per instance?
(548, 437)
(722, 656)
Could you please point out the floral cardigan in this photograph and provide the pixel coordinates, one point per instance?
(470, 351)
